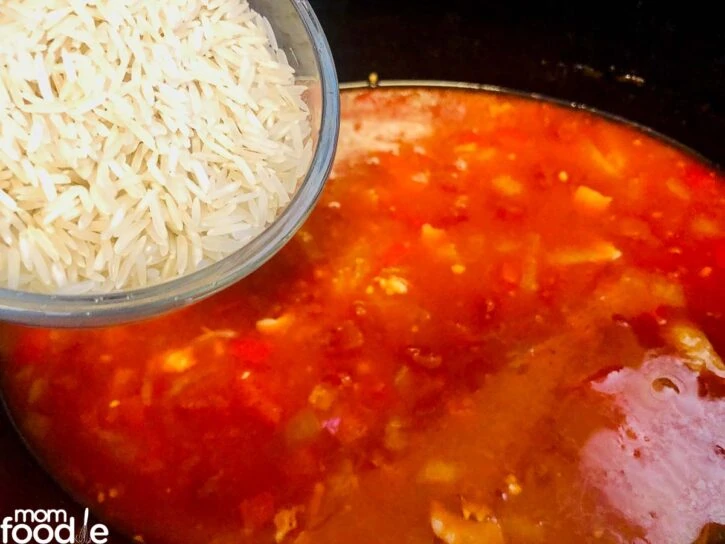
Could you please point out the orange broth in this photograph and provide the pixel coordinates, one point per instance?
(502, 323)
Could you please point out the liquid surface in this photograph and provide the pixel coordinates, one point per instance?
(503, 323)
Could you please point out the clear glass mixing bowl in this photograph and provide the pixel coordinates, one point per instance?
(298, 32)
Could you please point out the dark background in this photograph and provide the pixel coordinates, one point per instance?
(579, 51)
(576, 51)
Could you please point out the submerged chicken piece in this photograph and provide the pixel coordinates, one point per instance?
(590, 200)
(454, 529)
(694, 344)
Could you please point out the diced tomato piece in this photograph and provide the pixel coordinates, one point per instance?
(696, 175)
(301, 463)
(412, 217)
(260, 402)
(394, 254)
(377, 394)
(428, 393)
(510, 273)
(710, 385)
(32, 346)
(250, 350)
(346, 337)
(352, 428)
(257, 511)
(510, 213)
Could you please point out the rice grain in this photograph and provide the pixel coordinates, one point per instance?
(140, 140)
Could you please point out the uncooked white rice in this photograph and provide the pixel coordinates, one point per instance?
(139, 140)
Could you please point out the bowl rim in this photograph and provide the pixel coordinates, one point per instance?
(100, 309)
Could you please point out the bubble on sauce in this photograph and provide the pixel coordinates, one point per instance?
(660, 384)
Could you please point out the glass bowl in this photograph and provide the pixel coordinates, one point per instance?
(299, 34)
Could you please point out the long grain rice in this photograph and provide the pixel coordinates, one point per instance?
(140, 140)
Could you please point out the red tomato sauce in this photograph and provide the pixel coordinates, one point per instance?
(502, 323)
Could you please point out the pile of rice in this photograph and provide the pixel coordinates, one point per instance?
(140, 140)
